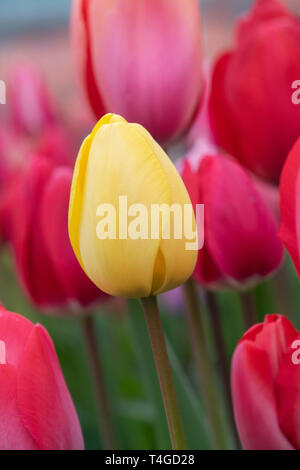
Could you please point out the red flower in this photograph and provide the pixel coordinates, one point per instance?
(265, 386)
(253, 116)
(142, 60)
(289, 204)
(36, 409)
(46, 264)
(240, 231)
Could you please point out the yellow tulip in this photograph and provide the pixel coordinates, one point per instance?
(119, 159)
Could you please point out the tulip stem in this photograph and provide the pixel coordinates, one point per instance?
(93, 356)
(164, 373)
(204, 369)
(249, 309)
(222, 359)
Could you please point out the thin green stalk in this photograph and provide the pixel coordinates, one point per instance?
(164, 373)
(93, 356)
(248, 308)
(214, 314)
(203, 365)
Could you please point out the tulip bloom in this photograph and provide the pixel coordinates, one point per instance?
(241, 246)
(45, 262)
(37, 411)
(265, 379)
(121, 159)
(253, 114)
(289, 205)
(142, 60)
(31, 106)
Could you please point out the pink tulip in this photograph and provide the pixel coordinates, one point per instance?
(45, 262)
(241, 246)
(253, 114)
(36, 409)
(265, 386)
(142, 60)
(31, 106)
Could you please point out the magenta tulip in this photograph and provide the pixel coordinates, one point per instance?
(140, 59)
(37, 412)
(241, 246)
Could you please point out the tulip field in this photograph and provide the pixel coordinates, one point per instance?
(149, 232)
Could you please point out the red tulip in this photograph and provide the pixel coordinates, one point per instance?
(240, 232)
(142, 60)
(253, 114)
(37, 412)
(265, 386)
(289, 204)
(46, 264)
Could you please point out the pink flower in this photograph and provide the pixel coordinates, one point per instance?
(142, 60)
(265, 386)
(37, 411)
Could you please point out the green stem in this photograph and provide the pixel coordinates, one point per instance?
(93, 356)
(203, 365)
(164, 373)
(249, 309)
(222, 360)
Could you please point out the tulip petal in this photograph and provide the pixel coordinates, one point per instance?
(54, 208)
(290, 206)
(13, 434)
(117, 152)
(179, 262)
(152, 92)
(81, 46)
(14, 331)
(44, 401)
(240, 231)
(254, 399)
(288, 396)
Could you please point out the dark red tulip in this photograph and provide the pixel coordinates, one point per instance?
(45, 262)
(265, 386)
(253, 114)
(37, 411)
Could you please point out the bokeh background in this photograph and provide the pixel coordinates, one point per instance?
(36, 32)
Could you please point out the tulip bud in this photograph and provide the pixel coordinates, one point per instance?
(142, 60)
(241, 246)
(37, 411)
(45, 262)
(265, 379)
(122, 172)
(253, 114)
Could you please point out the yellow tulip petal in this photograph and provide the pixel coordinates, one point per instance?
(179, 263)
(121, 163)
(78, 183)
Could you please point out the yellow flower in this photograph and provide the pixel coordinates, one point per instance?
(121, 177)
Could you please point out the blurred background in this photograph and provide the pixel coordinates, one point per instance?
(35, 32)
